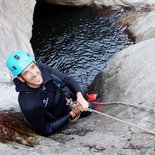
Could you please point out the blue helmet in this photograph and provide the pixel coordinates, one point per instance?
(18, 61)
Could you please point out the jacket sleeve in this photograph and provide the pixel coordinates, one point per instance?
(36, 118)
(37, 121)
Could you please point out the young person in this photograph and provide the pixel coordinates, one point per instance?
(42, 98)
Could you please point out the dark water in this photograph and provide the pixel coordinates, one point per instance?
(77, 41)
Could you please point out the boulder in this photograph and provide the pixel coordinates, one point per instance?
(129, 76)
(140, 29)
(123, 2)
(100, 2)
(15, 27)
(69, 2)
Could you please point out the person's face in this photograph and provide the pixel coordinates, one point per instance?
(32, 76)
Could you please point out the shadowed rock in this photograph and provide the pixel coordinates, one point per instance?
(13, 128)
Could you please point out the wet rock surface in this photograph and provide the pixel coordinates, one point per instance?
(97, 135)
(14, 129)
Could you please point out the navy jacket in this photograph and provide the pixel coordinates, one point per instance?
(45, 108)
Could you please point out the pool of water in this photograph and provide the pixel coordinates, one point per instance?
(77, 41)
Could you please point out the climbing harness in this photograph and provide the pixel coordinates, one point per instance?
(117, 119)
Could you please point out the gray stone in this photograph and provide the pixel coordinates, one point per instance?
(70, 2)
(124, 2)
(129, 77)
(140, 29)
(15, 28)
(100, 2)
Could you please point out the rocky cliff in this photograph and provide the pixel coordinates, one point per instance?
(129, 77)
(15, 26)
(100, 2)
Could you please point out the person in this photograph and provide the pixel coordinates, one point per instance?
(42, 98)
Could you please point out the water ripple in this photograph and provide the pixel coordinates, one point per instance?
(77, 41)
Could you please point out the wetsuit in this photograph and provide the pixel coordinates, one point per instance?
(45, 108)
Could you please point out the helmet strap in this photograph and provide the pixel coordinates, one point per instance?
(22, 79)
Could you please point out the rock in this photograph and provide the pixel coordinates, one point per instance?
(130, 75)
(13, 128)
(141, 30)
(8, 96)
(69, 2)
(123, 2)
(100, 2)
(15, 27)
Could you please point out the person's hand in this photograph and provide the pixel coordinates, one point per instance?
(84, 105)
(75, 111)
